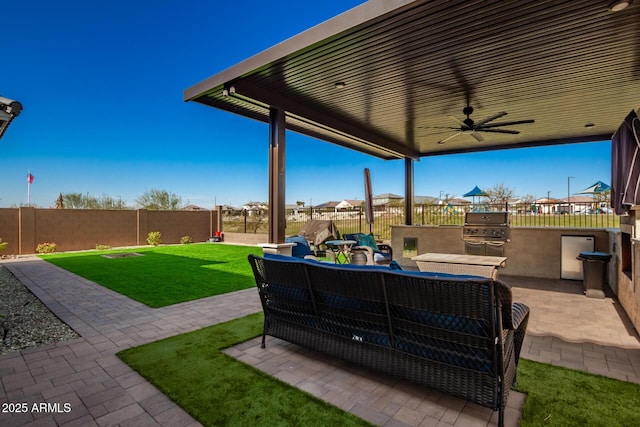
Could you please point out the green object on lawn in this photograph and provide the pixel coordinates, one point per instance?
(164, 275)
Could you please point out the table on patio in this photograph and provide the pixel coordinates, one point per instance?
(476, 265)
(337, 247)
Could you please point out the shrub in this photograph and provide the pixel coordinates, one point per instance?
(3, 245)
(46, 248)
(102, 247)
(154, 238)
(185, 240)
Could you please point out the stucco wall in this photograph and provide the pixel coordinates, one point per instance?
(75, 229)
(628, 289)
(9, 230)
(628, 270)
(175, 224)
(246, 238)
(78, 229)
(532, 251)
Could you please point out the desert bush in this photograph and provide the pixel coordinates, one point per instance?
(46, 248)
(154, 238)
(185, 240)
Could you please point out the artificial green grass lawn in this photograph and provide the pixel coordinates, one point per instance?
(564, 397)
(165, 275)
(219, 390)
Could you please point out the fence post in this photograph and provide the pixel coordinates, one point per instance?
(244, 216)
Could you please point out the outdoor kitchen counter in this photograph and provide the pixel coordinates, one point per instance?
(486, 266)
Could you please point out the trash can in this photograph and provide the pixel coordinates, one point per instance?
(594, 268)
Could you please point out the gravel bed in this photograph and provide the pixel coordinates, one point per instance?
(24, 320)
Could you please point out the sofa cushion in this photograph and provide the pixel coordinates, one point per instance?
(280, 257)
(301, 249)
(363, 240)
(431, 274)
(438, 275)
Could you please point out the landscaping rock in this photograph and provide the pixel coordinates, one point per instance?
(24, 320)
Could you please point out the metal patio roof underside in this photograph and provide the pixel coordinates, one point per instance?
(407, 65)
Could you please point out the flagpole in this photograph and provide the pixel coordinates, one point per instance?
(29, 182)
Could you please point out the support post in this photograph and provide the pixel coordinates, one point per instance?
(408, 191)
(276, 175)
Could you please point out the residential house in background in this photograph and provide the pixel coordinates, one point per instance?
(347, 205)
(255, 208)
(194, 208)
(425, 200)
(457, 201)
(546, 206)
(326, 205)
(387, 199)
(231, 210)
(577, 204)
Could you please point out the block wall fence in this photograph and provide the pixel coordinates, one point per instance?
(79, 229)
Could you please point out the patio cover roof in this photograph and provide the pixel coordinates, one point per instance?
(9, 110)
(406, 65)
(390, 78)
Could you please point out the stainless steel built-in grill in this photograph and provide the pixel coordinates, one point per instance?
(485, 233)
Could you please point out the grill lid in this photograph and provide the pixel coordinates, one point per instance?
(486, 218)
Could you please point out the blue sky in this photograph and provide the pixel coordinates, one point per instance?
(102, 83)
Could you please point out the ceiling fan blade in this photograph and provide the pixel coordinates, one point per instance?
(477, 136)
(435, 134)
(495, 125)
(438, 127)
(490, 118)
(460, 122)
(449, 137)
(512, 132)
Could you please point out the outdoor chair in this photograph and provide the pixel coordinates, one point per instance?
(376, 253)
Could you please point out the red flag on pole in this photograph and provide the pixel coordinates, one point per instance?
(30, 178)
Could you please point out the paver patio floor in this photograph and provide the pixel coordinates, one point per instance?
(565, 328)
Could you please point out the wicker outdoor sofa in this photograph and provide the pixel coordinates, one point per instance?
(436, 329)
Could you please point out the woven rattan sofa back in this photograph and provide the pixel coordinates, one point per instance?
(435, 329)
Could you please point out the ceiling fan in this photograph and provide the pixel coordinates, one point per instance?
(470, 127)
